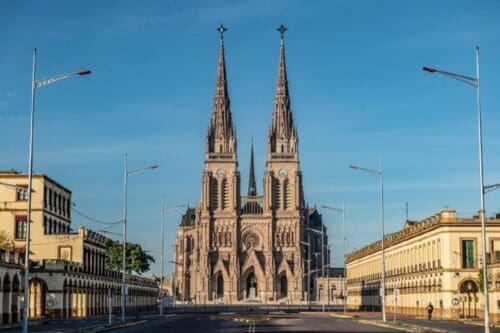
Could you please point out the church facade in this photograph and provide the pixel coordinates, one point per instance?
(254, 248)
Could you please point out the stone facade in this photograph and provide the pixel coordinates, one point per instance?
(235, 248)
(436, 260)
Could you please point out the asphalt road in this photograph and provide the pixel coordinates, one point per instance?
(225, 324)
(450, 325)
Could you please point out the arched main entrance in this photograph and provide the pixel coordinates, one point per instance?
(251, 290)
(468, 291)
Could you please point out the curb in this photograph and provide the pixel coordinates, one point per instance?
(334, 315)
(403, 327)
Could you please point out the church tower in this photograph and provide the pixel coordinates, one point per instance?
(283, 197)
(220, 198)
(283, 179)
(236, 248)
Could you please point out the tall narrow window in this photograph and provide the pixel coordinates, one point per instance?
(288, 195)
(225, 194)
(68, 208)
(277, 194)
(214, 194)
(21, 222)
(467, 253)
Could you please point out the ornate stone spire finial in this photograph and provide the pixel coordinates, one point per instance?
(252, 185)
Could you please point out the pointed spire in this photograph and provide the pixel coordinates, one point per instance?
(221, 134)
(282, 135)
(252, 185)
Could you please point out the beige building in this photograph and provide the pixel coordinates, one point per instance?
(234, 248)
(69, 278)
(436, 260)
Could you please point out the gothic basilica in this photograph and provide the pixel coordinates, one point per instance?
(254, 248)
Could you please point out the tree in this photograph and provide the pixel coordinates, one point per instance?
(6, 241)
(137, 259)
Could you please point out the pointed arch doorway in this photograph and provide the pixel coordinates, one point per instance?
(283, 290)
(251, 287)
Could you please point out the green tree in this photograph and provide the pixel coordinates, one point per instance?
(137, 259)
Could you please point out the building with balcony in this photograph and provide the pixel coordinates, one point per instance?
(68, 276)
(436, 260)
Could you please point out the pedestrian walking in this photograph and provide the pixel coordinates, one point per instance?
(430, 308)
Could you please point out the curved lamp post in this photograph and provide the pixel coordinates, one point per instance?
(35, 84)
(475, 82)
(164, 210)
(340, 210)
(127, 173)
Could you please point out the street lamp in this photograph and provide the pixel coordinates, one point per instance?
(164, 210)
(322, 232)
(308, 244)
(341, 210)
(127, 173)
(475, 82)
(379, 174)
(35, 84)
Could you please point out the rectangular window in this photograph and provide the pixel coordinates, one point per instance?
(21, 227)
(22, 192)
(467, 253)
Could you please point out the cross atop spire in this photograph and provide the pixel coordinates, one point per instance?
(221, 29)
(282, 29)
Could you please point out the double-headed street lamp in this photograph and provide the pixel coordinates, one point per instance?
(340, 210)
(379, 174)
(126, 174)
(35, 84)
(164, 210)
(475, 82)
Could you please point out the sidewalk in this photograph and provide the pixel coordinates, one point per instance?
(411, 323)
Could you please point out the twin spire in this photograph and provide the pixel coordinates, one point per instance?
(221, 137)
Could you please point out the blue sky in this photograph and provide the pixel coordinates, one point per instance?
(356, 85)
